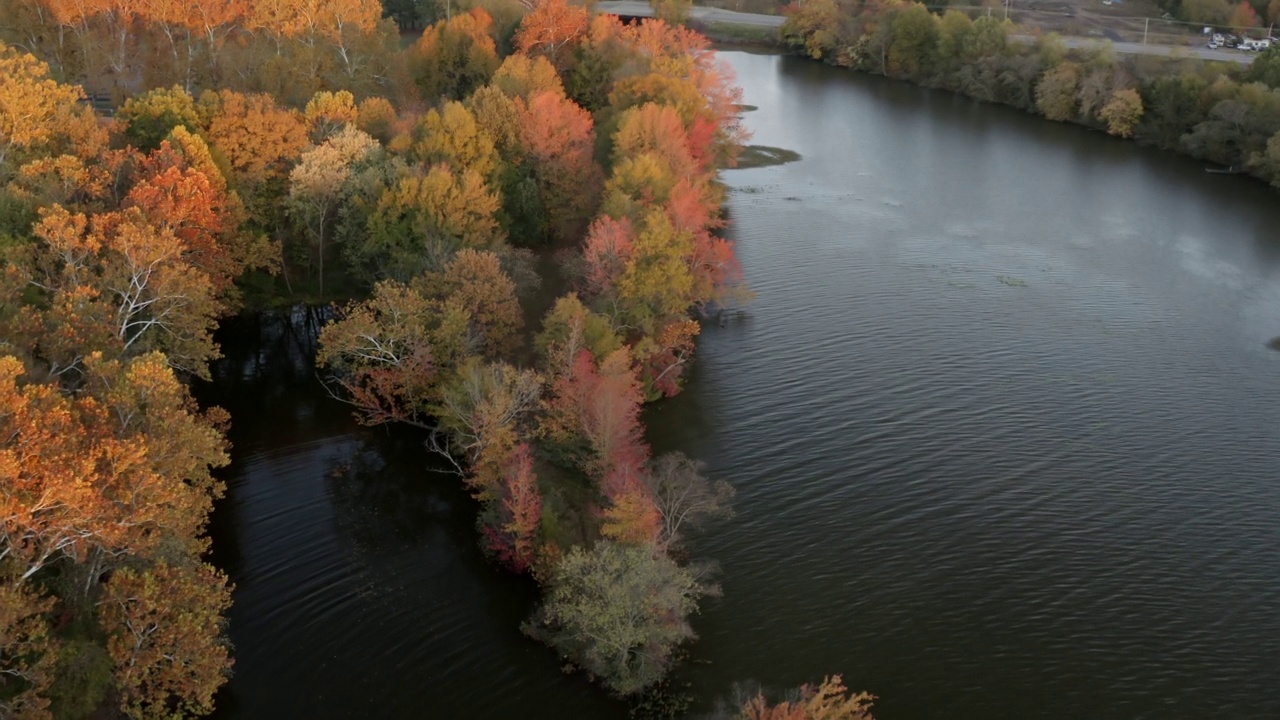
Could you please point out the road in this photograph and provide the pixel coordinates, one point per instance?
(1127, 48)
(703, 14)
(706, 14)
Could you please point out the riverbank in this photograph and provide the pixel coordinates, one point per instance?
(1221, 113)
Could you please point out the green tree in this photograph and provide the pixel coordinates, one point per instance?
(618, 611)
(150, 117)
(1056, 92)
(1266, 68)
(914, 48)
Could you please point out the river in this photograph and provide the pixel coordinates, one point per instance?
(1003, 421)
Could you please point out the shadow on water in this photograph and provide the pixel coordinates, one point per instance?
(360, 588)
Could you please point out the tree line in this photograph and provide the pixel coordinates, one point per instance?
(281, 152)
(1222, 113)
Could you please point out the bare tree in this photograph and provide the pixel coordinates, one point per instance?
(684, 496)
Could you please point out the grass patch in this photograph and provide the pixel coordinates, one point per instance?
(1274, 344)
(1012, 281)
(735, 34)
(754, 156)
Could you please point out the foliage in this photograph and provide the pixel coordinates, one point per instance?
(1123, 113)
(1056, 92)
(454, 56)
(38, 115)
(553, 29)
(569, 327)
(423, 219)
(164, 624)
(381, 353)
(618, 611)
(320, 184)
(150, 117)
(1265, 68)
(829, 701)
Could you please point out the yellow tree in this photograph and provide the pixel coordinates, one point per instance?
(475, 282)
(454, 56)
(327, 112)
(452, 136)
(523, 76)
(317, 185)
(423, 219)
(658, 282)
(38, 115)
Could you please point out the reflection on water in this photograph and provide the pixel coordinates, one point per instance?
(1003, 423)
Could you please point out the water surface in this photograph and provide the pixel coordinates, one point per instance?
(1003, 421)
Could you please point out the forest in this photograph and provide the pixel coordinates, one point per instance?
(166, 165)
(1223, 113)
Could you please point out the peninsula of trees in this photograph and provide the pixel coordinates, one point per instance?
(291, 151)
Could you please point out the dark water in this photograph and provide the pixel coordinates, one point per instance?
(1003, 421)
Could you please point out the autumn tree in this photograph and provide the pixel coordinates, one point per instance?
(377, 117)
(452, 136)
(593, 415)
(120, 284)
(482, 412)
(28, 652)
(829, 701)
(454, 56)
(475, 282)
(380, 355)
(657, 282)
(261, 141)
(1056, 92)
(179, 187)
(318, 184)
(553, 29)
(1123, 112)
(571, 326)
(420, 221)
(150, 117)
(609, 247)
(38, 115)
(662, 356)
(813, 26)
(327, 113)
(525, 76)
(513, 535)
(618, 611)
(913, 49)
(164, 634)
(600, 58)
(559, 139)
